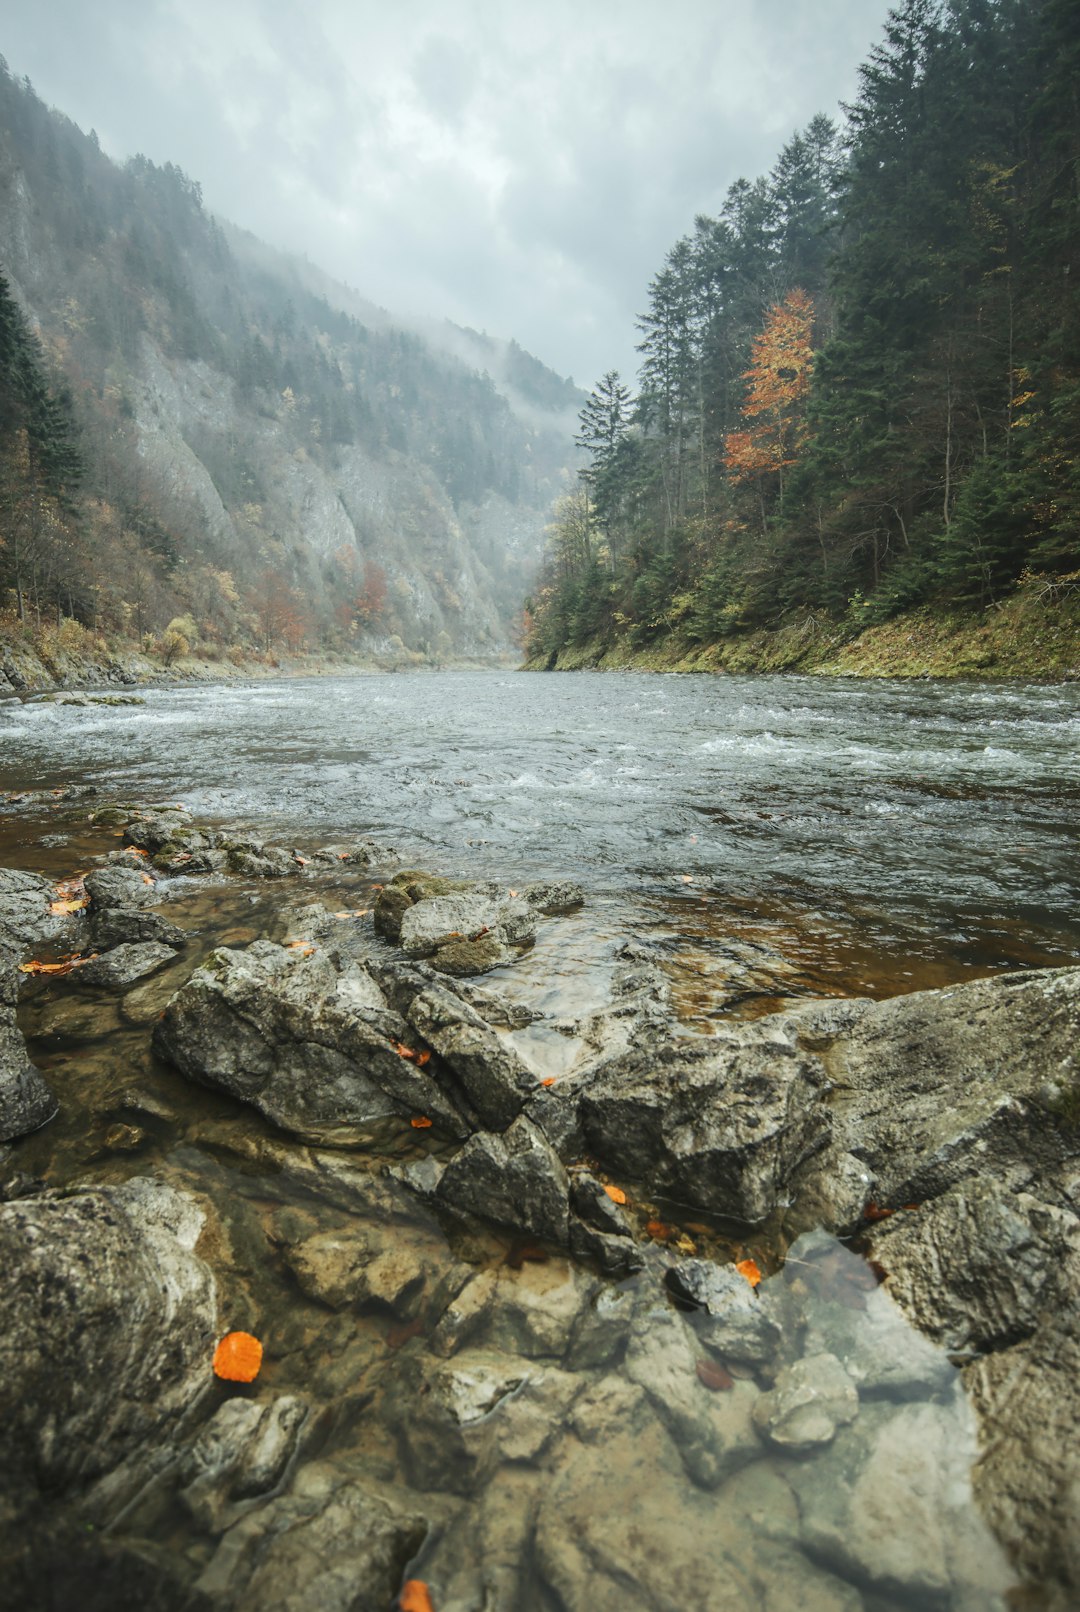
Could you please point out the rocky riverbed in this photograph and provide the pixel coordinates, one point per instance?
(563, 1304)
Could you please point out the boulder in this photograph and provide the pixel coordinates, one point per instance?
(129, 926)
(25, 919)
(110, 1319)
(25, 1100)
(120, 884)
(489, 1071)
(722, 1124)
(313, 1048)
(117, 969)
(515, 1179)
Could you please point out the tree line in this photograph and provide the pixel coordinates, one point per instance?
(859, 387)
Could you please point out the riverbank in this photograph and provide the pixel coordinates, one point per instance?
(1032, 634)
(69, 657)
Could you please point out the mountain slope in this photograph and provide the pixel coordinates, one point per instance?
(267, 456)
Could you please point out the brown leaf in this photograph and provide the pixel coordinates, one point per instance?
(403, 1051)
(398, 1336)
(550, 1081)
(874, 1211)
(62, 908)
(616, 1194)
(659, 1230)
(420, 1122)
(712, 1375)
(423, 1057)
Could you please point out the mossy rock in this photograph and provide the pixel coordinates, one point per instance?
(464, 957)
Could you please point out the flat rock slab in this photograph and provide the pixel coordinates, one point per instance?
(25, 1100)
(117, 969)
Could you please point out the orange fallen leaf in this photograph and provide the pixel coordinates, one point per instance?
(711, 1375)
(749, 1269)
(402, 1050)
(135, 850)
(238, 1357)
(304, 947)
(62, 908)
(687, 878)
(512, 893)
(874, 1211)
(420, 1122)
(343, 856)
(147, 878)
(63, 967)
(301, 861)
(616, 1194)
(415, 1597)
(658, 1229)
(423, 1057)
(550, 1081)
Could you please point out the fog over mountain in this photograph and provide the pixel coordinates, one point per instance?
(512, 168)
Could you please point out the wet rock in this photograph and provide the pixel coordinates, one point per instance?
(515, 1179)
(722, 1123)
(847, 1314)
(467, 1314)
(602, 1330)
(311, 1047)
(126, 926)
(124, 1138)
(25, 919)
(153, 830)
(714, 1433)
(911, 1462)
(465, 958)
(477, 1411)
(812, 1398)
(493, 1077)
(538, 1308)
(971, 1269)
(328, 1543)
(115, 970)
(241, 1454)
(344, 1267)
(25, 1100)
(254, 859)
(391, 905)
(554, 899)
(941, 1085)
(430, 924)
(118, 885)
(737, 1322)
(355, 854)
(109, 1325)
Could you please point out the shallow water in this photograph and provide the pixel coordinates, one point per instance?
(776, 837)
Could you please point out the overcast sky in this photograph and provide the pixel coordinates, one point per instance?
(521, 166)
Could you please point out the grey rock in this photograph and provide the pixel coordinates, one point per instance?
(110, 1322)
(239, 1455)
(515, 1179)
(26, 1102)
(722, 1123)
(311, 1047)
(25, 919)
(714, 1433)
(493, 1077)
(554, 899)
(737, 1321)
(972, 1268)
(356, 853)
(123, 926)
(115, 970)
(327, 1543)
(812, 1398)
(120, 885)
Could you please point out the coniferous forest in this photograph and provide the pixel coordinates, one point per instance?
(859, 389)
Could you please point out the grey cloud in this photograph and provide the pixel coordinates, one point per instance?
(520, 168)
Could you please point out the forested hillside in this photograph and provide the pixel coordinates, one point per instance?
(202, 442)
(860, 384)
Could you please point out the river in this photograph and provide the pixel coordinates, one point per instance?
(769, 838)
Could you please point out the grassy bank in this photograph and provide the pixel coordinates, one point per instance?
(1032, 634)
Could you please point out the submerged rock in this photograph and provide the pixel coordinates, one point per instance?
(117, 969)
(25, 919)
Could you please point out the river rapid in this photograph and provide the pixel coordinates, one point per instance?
(877, 837)
(767, 838)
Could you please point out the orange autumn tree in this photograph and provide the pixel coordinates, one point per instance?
(775, 407)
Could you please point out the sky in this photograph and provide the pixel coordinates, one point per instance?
(522, 168)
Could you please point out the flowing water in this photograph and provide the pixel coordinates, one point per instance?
(773, 837)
